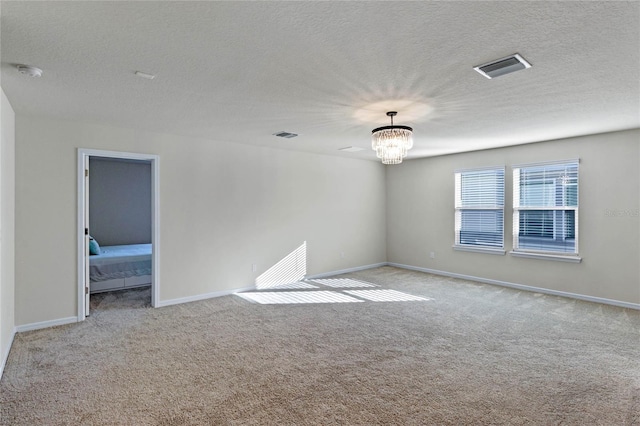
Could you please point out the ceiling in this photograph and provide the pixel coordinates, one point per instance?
(328, 71)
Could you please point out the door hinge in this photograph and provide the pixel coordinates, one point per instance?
(86, 173)
(86, 290)
(86, 231)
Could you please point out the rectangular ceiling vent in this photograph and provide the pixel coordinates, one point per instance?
(503, 66)
(284, 134)
(351, 149)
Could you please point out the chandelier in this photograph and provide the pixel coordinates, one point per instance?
(391, 143)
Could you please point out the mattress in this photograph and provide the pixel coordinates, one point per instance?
(120, 262)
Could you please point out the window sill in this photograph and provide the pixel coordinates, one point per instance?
(556, 257)
(487, 250)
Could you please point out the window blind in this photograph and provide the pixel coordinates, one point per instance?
(545, 207)
(479, 204)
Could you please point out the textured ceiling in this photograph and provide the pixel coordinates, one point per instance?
(241, 71)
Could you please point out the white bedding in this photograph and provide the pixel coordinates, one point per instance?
(120, 262)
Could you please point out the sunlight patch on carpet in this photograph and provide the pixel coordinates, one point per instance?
(343, 283)
(293, 286)
(385, 295)
(294, 297)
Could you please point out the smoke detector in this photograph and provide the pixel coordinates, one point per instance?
(145, 75)
(503, 66)
(29, 70)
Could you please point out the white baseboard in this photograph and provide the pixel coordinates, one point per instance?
(346, 271)
(45, 324)
(70, 320)
(5, 355)
(198, 297)
(619, 303)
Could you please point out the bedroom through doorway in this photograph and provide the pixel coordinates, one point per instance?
(118, 244)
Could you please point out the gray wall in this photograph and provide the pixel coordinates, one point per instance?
(420, 217)
(223, 208)
(119, 201)
(7, 224)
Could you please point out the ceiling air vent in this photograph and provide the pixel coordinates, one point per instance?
(284, 134)
(351, 149)
(503, 66)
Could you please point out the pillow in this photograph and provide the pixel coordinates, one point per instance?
(94, 247)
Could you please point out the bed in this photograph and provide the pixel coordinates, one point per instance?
(118, 267)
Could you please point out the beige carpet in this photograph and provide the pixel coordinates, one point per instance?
(473, 354)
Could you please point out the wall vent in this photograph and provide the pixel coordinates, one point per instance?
(284, 134)
(503, 66)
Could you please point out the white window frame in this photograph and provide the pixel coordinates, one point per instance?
(459, 208)
(517, 209)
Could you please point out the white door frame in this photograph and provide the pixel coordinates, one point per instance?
(83, 155)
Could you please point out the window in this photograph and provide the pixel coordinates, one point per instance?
(479, 220)
(545, 208)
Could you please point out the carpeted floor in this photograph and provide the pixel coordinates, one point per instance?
(472, 354)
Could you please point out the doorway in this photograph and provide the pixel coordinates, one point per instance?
(85, 158)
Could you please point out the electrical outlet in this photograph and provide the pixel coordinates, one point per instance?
(432, 255)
